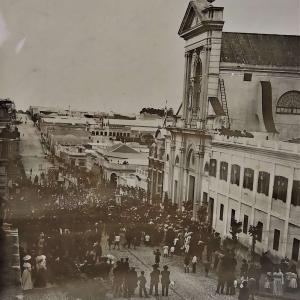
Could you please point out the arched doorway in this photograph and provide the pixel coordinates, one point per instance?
(113, 179)
(191, 177)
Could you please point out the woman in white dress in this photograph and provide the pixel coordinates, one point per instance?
(278, 281)
(293, 281)
(26, 277)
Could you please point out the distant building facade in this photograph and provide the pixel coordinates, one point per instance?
(156, 168)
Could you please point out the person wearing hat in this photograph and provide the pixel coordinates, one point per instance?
(165, 281)
(26, 277)
(26, 259)
(154, 280)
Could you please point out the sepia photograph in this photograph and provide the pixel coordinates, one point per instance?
(149, 149)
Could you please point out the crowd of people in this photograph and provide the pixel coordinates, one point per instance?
(74, 221)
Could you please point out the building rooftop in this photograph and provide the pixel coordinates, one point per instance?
(68, 120)
(260, 49)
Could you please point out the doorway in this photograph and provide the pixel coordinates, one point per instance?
(211, 210)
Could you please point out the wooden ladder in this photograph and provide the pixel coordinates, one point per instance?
(223, 100)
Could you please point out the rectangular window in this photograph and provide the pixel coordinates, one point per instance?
(175, 190)
(221, 212)
(247, 76)
(263, 183)
(295, 251)
(213, 167)
(260, 227)
(223, 170)
(245, 224)
(235, 174)
(204, 199)
(276, 239)
(280, 188)
(232, 216)
(296, 193)
(248, 179)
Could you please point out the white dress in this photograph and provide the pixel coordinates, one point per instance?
(293, 281)
(26, 280)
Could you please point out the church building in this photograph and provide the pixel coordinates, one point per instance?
(235, 145)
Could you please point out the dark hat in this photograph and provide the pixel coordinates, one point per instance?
(166, 267)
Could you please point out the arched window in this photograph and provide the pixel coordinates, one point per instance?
(177, 160)
(289, 103)
(190, 159)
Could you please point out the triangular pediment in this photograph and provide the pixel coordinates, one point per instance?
(193, 16)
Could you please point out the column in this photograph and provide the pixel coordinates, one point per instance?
(265, 242)
(171, 169)
(198, 179)
(187, 71)
(204, 55)
(181, 173)
(287, 216)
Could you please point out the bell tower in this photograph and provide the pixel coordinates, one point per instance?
(201, 29)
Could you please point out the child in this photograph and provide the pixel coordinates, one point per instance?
(194, 263)
(147, 240)
(172, 251)
(166, 251)
(186, 264)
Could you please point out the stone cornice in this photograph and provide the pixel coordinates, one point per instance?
(294, 157)
(259, 69)
(205, 26)
(190, 131)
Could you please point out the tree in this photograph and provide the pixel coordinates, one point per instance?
(236, 228)
(254, 232)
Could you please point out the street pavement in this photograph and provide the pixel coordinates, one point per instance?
(31, 150)
(187, 286)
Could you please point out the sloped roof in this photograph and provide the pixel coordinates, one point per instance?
(261, 49)
(122, 148)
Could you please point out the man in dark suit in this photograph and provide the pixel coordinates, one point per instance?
(165, 281)
(154, 280)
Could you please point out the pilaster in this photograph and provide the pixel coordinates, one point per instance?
(198, 180)
(181, 174)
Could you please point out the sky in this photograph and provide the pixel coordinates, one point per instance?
(104, 55)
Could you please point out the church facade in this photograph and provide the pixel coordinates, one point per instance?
(240, 113)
